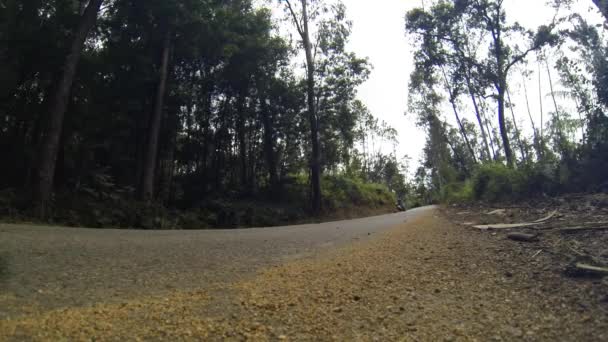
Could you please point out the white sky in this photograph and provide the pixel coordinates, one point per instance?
(379, 34)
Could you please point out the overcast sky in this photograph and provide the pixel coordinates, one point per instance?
(379, 34)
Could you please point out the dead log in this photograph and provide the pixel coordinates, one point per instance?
(575, 229)
(585, 270)
(505, 225)
(551, 214)
(523, 237)
(516, 225)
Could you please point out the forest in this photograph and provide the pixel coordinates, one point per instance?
(208, 113)
(186, 114)
(510, 112)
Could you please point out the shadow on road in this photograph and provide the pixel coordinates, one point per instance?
(3, 267)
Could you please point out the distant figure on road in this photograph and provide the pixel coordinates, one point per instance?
(400, 205)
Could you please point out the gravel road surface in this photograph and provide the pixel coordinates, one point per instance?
(51, 267)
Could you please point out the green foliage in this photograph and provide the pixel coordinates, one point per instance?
(495, 181)
(343, 192)
(234, 143)
(459, 192)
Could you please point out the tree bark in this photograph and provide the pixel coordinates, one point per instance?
(59, 101)
(480, 122)
(503, 127)
(269, 145)
(315, 160)
(557, 118)
(240, 128)
(460, 125)
(537, 146)
(540, 99)
(501, 87)
(517, 132)
(149, 166)
(167, 170)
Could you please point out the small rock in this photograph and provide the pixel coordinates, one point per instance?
(337, 309)
(516, 332)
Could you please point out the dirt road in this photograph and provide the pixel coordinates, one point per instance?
(55, 267)
(372, 279)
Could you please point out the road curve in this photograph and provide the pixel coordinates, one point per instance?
(50, 267)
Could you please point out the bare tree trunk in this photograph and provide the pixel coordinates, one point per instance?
(524, 157)
(315, 162)
(557, 118)
(479, 121)
(460, 126)
(269, 145)
(147, 183)
(540, 99)
(537, 146)
(59, 101)
(314, 129)
(167, 170)
(242, 144)
(489, 131)
(503, 127)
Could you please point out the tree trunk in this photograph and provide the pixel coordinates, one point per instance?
(517, 132)
(147, 182)
(537, 146)
(167, 170)
(479, 120)
(488, 128)
(59, 101)
(269, 145)
(540, 99)
(504, 134)
(242, 144)
(315, 164)
(501, 87)
(558, 123)
(460, 125)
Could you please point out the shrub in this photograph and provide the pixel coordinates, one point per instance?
(457, 192)
(495, 182)
(343, 192)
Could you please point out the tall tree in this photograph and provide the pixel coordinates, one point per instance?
(58, 104)
(301, 22)
(151, 152)
(491, 17)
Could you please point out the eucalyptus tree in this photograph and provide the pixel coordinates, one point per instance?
(332, 75)
(302, 16)
(338, 73)
(59, 99)
(490, 16)
(437, 34)
(445, 28)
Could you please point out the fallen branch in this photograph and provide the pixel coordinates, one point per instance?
(575, 229)
(582, 270)
(506, 225)
(515, 225)
(553, 213)
(523, 237)
(537, 253)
